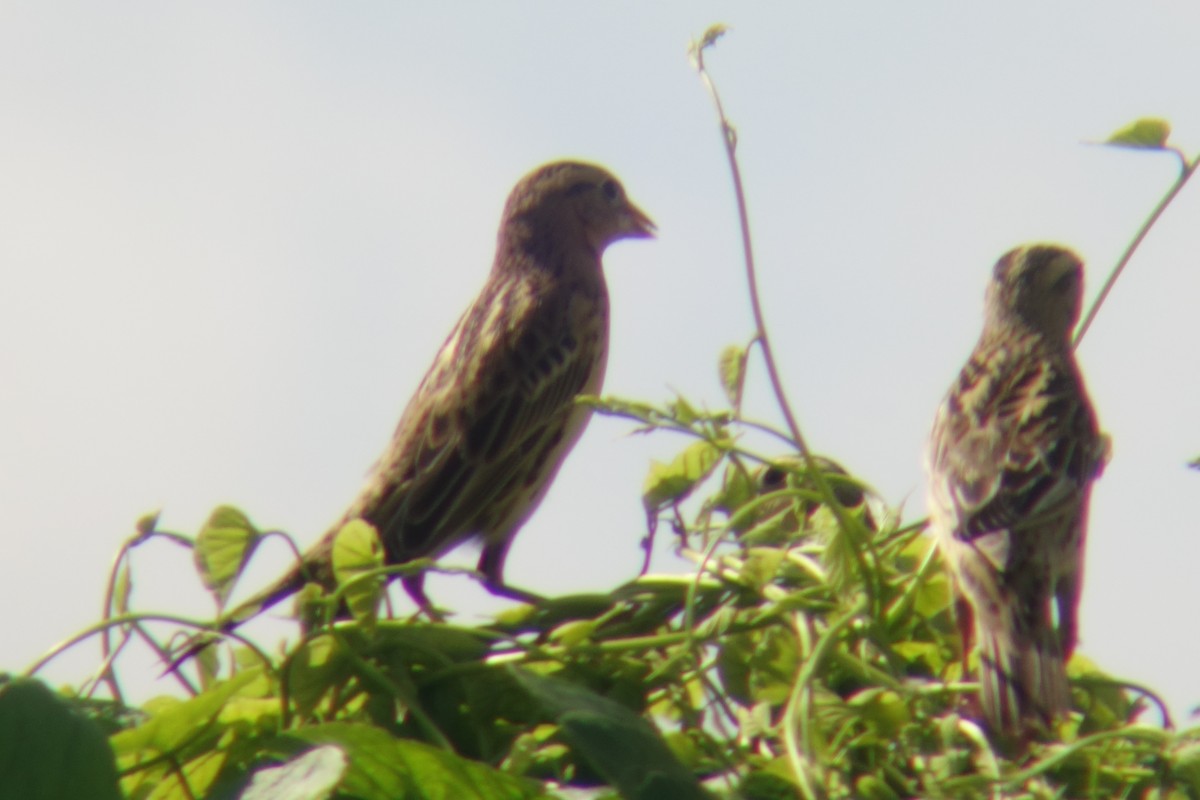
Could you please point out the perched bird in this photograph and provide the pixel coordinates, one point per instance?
(1011, 459)
(492, 421)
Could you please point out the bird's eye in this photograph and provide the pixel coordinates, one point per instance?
(612, 192)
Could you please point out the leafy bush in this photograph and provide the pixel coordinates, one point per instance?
(810, 652)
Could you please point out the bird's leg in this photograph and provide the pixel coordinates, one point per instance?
(414, 585)
(513, 593)
(491, 566)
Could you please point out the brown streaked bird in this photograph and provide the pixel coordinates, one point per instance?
(482, 439)
(1011, 459)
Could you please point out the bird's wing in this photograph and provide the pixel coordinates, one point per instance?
(472, 447)
(1015, 441)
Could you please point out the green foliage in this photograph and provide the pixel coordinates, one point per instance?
(809, 652)
(49, 750)
(357, 551)
(802, 657)
(223, 548)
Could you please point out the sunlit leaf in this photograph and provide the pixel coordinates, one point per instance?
(148, 522)
(684, 411)
(928, 654)
(883, 710)
(223, 547)
(356, 550)
(713, 33)
(669, 483)
(312, 775)
(1148, 133)
(383, 767)
(732, 369)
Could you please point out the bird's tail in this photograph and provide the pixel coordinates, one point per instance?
(1022, 677)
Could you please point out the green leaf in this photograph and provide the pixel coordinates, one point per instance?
(1185, 764)
(670, 483)
(933, 596)
(317, 666)
(356, 550)
(223, 547)
(683, 411)
(732, 368)
(872, 787)
(174, 722)
(714, 32)
(50, 751)
(928, 654)
(737, 489)
(382, 767)
(572, 633)
(1147, 133)
(148, 522)
(619, 744)
(311, 776)
(883, 710)
(761, 565)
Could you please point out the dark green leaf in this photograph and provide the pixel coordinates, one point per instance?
(619, 744)
(382, 767)
(49, 751)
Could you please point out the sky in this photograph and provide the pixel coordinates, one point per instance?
(234, 236)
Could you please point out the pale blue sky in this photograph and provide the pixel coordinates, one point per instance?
(234, 235)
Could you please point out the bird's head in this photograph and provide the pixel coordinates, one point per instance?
(1040, 286)
(569, 199)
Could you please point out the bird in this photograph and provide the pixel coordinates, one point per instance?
(1011, 459)
(481, 440)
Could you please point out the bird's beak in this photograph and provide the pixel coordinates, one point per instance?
(637, 224)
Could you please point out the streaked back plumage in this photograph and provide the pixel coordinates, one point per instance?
(1013, 451)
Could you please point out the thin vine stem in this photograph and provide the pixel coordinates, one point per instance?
(729, 136)
(764, 342)
(1186, 171)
